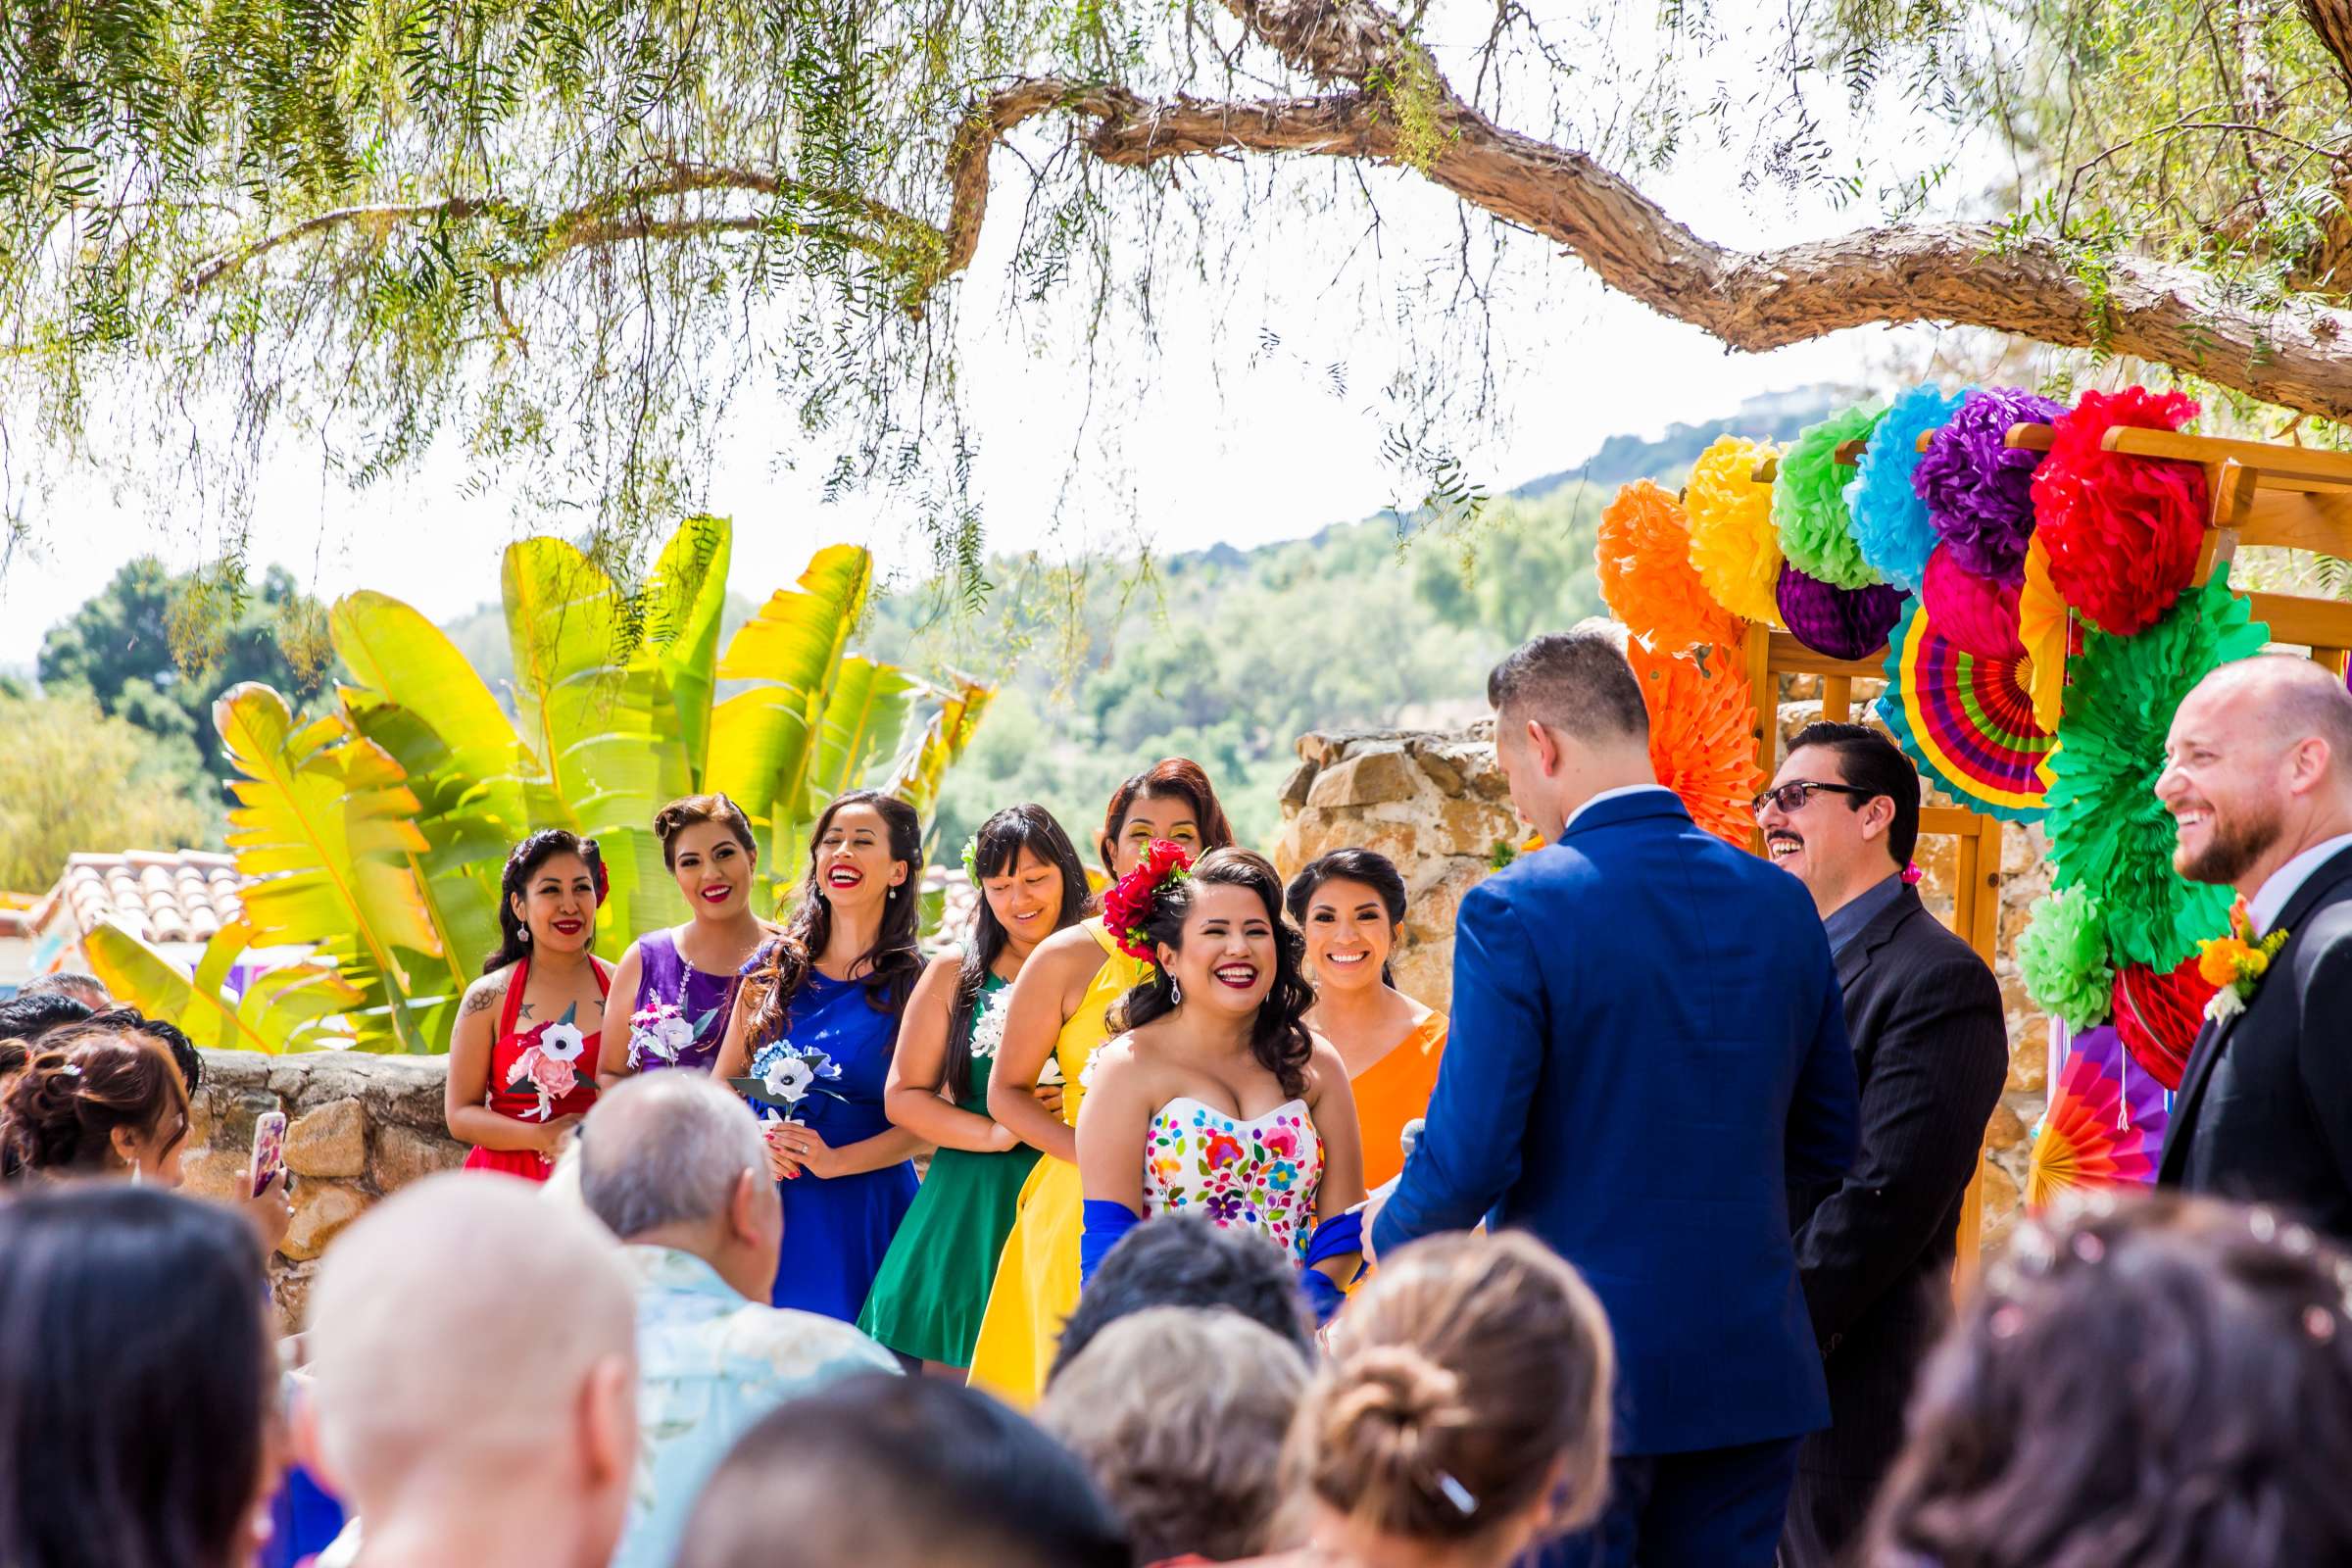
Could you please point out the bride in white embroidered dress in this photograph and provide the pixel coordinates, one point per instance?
(1236, 1110)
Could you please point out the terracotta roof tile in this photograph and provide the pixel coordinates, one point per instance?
(160, 894)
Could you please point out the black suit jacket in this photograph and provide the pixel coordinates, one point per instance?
(2265, 1108)
(1931, 1048)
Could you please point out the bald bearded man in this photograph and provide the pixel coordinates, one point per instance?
(2258, 776)
(475, 1379)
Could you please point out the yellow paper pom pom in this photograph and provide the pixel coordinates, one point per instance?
(1644, 555)
(1734, 547)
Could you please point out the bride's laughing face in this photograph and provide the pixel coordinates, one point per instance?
(1228, 957)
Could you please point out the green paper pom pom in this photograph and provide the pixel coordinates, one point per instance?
(2063, 955)
(1808, 499)
(2109, 834)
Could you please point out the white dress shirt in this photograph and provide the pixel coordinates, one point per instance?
(2281, 885)
(1611, 794)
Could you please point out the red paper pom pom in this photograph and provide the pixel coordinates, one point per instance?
(2159, 1015)
(1976, 615)
(2122, 532)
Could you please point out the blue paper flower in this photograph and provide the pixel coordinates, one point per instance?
(1891, 520)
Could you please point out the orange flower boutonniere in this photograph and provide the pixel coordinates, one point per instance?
(2235, 964)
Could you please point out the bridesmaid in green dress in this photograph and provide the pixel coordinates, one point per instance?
(928, 1299)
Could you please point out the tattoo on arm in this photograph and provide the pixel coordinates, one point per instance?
(481, 996)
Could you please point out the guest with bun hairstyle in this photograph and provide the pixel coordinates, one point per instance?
(98, 1100)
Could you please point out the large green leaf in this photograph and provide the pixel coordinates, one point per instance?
(679, 610)
(326, 824)
(285, 1009)
(401, 657)
(939, 725)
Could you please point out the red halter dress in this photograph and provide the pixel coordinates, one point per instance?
(521, 1101)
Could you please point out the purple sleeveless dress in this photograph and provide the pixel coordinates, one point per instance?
(703, 998)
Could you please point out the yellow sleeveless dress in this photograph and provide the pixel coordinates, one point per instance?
(1036, 1277)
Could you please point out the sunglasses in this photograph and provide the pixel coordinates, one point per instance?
(1793, 796)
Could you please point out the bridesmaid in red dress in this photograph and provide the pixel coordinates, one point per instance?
(522, 1057)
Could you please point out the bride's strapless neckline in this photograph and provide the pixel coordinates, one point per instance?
(1227, 1116)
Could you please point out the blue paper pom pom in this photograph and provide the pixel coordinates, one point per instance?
(1890, 521)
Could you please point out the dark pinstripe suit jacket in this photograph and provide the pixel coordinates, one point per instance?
(1874, 1251)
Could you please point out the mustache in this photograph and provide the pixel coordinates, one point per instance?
(1783, 836)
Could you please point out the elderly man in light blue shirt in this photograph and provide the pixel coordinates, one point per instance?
(674, 1165)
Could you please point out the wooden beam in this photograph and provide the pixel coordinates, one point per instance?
(1793, 658)
(2314, 623)
(1837, 698)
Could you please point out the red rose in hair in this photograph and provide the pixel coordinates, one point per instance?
(1126, 906)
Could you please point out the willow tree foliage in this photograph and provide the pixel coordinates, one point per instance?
(569, 233)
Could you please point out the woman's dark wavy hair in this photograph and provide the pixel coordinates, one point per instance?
(1372, 868)
(523, 861)
(2165, 1383)
(1002, 839)
(895, 961)
(1176, 777)
(136, 1378)
(1277, 1038)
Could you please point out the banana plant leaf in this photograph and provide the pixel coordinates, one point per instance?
(285, 1009)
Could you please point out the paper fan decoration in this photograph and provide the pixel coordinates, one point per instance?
(1966, 721)
(1643, 556)
(1734, 547)
(1980, 490)
(2159, 1015)
(2122, 531)
(1839, 622)
(2105, 1126)
(1890, 522)
(1700, 745)
(2045, 627)
(1808, 501)
(2109, 834)
(1978, 614)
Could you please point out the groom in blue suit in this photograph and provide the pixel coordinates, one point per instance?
(1647, 1049)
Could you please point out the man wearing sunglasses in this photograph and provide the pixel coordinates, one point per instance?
(1932, 1052)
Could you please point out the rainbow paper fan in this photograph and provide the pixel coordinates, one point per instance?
(2106, 1123)
(1968, 722)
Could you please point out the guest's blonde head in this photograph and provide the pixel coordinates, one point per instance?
(467, 1329)
(1467, 1395)
(1180, 1415)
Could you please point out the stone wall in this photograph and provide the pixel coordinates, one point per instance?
(1436, 805)
(357, 1128)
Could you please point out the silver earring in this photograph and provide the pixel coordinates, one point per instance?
(526, 934)
(1175, 992)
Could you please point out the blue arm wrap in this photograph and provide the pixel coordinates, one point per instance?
(1324, 1296)
(1336, 1236)
(1103, 1222)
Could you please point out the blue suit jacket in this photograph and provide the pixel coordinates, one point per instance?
(1647, 1046)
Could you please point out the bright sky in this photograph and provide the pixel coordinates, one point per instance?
(1205, 434)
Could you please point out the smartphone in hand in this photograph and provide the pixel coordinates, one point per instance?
(269, 1151)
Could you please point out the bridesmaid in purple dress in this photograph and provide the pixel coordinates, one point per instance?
(679, 984)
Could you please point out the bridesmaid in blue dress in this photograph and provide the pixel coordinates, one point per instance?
(816, 1020)
(680, 983)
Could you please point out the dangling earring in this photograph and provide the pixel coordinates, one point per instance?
(526, 936)
(893, 893)
(1175, 992)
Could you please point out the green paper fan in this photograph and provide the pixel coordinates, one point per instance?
(2109, 834)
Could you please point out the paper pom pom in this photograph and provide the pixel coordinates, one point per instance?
(1979, 615)
(2122, 531)
(1979, 492)
(1733, 545)
(2063, 957)
(1808, 501)
(1890, 522)
(2159, 1014)
(1646, 578)
(2109, 834)
(1841, 622)
(1700, 743)
(2048, 631)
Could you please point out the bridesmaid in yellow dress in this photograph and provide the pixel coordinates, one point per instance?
(1057, 1015)
(1350, 904)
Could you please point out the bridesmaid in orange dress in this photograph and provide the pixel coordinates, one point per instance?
(1349, 904)
(522, 1055)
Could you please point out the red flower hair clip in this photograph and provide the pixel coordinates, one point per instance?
(1127, 906)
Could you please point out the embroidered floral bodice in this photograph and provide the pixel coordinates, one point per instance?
(1257, 1174)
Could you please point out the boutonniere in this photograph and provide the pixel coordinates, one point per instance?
(2235, 964)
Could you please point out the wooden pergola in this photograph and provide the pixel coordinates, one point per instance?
(2262, 494)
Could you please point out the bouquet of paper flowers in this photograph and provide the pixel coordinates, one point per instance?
(784, 1075)
(550, 1065)
(659, 1031)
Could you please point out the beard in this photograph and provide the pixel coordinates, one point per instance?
(2234, 843)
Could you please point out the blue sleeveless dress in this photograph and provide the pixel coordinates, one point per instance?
(838, 1230)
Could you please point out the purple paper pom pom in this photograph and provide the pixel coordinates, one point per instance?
(1979, 492)
(1839, 622)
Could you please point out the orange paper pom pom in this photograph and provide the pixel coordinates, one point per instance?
(1699, 744)
(1646, 578)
